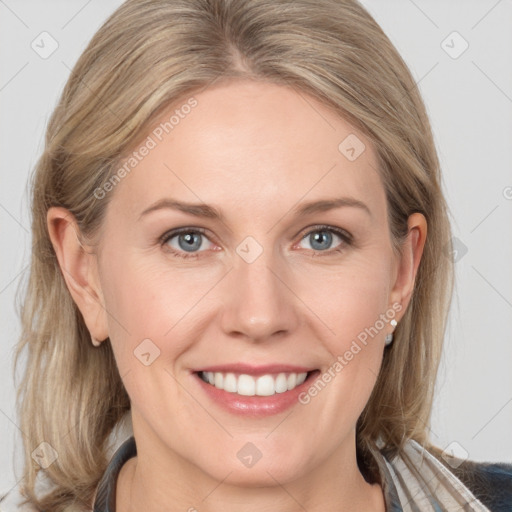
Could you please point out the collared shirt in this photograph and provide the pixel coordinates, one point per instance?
(416, 482)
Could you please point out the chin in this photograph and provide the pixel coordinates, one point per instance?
(257, 473)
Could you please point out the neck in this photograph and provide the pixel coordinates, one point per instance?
(150, 482)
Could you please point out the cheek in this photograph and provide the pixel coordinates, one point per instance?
(148, 311)
(352, 307)
(352, 303)
(147, 298)
(350, 298)
(151, 297)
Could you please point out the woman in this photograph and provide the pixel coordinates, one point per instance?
(237, 222)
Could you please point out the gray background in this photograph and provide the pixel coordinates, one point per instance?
(469, 99)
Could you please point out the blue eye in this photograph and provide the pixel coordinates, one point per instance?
(188, 242)
(321, 239)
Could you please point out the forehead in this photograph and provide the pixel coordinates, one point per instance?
(249, 144)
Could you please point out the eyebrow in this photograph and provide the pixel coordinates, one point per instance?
(210, 212)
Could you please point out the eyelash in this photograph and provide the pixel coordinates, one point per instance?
(344, 235)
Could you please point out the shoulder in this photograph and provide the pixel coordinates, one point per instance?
(490, 482)
(120, 444)
(12, 501)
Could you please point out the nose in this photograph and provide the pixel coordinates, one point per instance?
(260, 302)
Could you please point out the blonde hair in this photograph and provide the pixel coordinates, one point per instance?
(145, 57)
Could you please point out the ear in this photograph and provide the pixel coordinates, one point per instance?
(78, 265)
(409, 261)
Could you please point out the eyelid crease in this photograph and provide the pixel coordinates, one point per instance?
(347, 238)
(326, 227)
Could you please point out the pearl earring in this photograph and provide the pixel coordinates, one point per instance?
(389, 337)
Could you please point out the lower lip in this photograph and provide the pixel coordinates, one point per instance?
(255, 405)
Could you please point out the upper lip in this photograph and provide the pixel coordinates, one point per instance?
(248, 369)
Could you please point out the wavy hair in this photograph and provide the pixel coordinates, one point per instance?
(147, 56)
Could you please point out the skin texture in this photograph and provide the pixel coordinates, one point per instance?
(255, 151)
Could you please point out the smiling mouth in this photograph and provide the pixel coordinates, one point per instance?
(249, 385)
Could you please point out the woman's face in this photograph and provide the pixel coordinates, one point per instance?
(284, 266)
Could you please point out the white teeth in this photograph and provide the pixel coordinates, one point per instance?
(247, 385)
(301, 377)
(281, 383)
(230, 383)
(265, 386)
(292, 380)
(219, 380)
